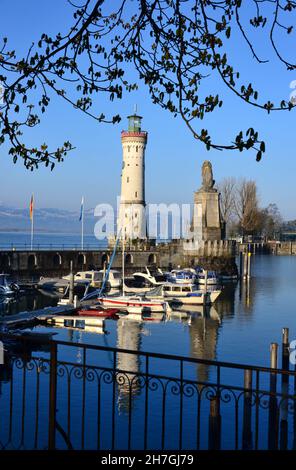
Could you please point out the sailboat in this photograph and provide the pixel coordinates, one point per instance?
(132, 302)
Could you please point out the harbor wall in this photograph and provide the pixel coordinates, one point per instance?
(33, 264)
(270, 247)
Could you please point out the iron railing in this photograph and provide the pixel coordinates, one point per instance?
(53, 246)
(68, 395)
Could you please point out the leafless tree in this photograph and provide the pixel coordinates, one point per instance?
(227, 189)
(246, 206)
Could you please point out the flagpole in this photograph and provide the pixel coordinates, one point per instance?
(32, 223)
(82, 225)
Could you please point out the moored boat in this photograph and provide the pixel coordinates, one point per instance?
(146, 279)
(96, 278)
(182, 276)
(184, 294)
(211, 278)
(98, 311)
(7, 288)
(124, 302)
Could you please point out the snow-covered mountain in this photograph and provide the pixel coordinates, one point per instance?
(45, 220)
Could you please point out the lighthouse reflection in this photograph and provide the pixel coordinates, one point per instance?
(128, 337)
(203, 334)
(203, 327)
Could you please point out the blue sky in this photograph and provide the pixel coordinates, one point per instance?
(173, 157)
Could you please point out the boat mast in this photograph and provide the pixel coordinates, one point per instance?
(106, 273)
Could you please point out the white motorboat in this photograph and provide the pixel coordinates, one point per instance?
(197, 298)
(125, 302)
(184, 294)
(134, 290)
(7, 288)
(96, 278)
(61, 285)
(148, 278)
(114, 278)
(212, 278)
(182, 276)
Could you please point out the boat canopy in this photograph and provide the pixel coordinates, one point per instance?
(157, 291)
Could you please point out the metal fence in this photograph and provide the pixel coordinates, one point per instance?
(66, 395)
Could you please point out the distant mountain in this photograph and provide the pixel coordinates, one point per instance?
(45, 220)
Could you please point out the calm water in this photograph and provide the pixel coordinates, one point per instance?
(238, 328)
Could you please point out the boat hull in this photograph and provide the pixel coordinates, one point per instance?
(197, 299)
(121, 303)
(101, 313)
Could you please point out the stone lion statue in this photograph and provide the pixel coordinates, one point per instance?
(207, 176)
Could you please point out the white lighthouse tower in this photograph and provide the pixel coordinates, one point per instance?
(132, 219)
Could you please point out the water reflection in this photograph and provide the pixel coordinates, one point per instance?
(225, 304)
(28, 302)
(128, 337)
(203, 334)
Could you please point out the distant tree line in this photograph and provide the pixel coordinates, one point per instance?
(241, 210)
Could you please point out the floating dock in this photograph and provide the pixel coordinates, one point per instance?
(86, 324)
(68, 320)
(27, 318)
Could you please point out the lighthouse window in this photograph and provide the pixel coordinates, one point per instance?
(136, 194)
(136, 215)
(127, 179)
(128, 148)
(137, 148)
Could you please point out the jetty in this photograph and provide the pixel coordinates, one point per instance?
(32, 317)
(74, 321)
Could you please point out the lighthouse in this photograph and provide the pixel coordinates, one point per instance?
(132, 219)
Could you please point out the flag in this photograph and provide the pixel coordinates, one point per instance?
(31, 207)
(81, 208)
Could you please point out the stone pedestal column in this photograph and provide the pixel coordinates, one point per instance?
(207, 223)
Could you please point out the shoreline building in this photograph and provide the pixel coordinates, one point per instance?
(132, 211)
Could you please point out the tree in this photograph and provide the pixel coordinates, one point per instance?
(271, 221)
(227, 188)
(246, 207)
(173, 46)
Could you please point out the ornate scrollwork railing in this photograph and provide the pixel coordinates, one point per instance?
(159, 402)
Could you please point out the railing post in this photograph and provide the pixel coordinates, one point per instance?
(247, 418)
(215, 424)
(285, 387)
(52, 396)
(273, 408)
